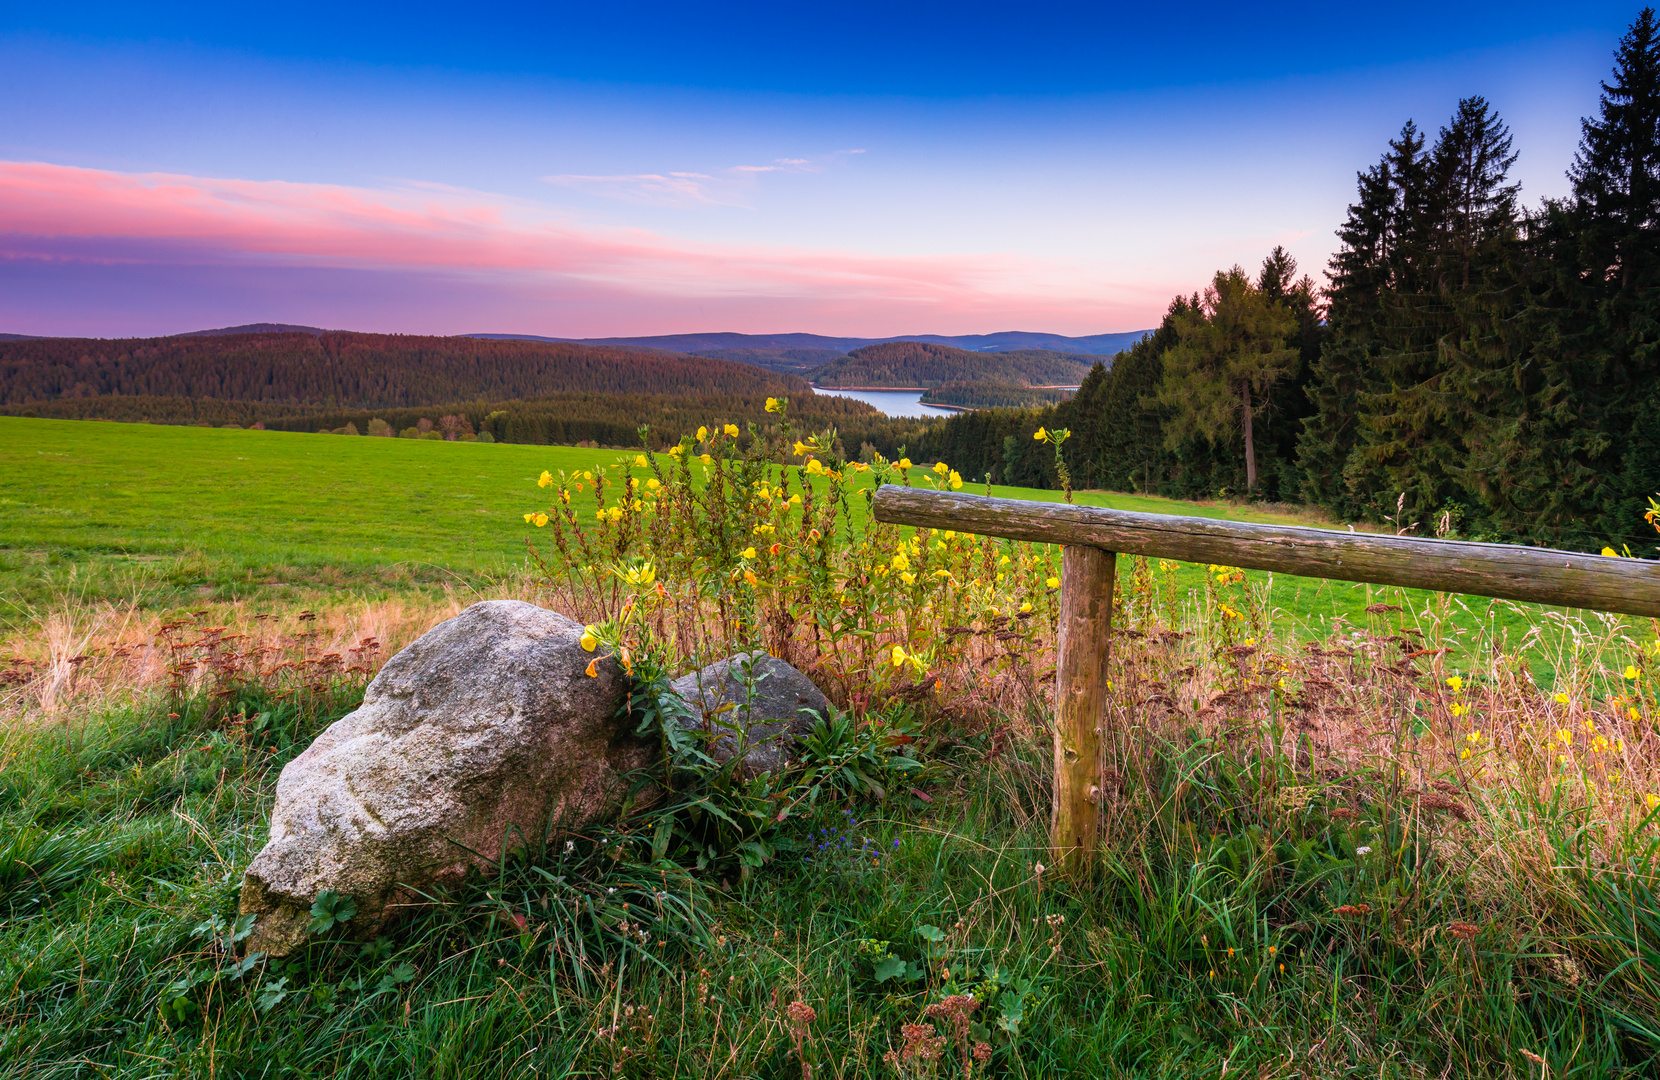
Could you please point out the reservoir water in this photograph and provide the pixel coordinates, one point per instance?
(892, 402)
(897, 402)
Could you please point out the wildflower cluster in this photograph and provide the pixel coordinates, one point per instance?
(735, 539)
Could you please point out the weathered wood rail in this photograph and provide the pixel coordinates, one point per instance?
(1091, 537)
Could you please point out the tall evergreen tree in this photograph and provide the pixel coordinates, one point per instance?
(1230, 353)
(1616, 171)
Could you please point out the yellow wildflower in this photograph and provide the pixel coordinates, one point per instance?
(749, 553)
(904, 463)
(675, 451)
(654, 483)
(1473, 737)
(1561, 698)
(702, 433)
(773, 405)
(941, 467)
(956, 480)
(1610, 552)
(898, 656)
(1052, 582)
(706, 459)
(900, 562)
(590, 639)
(541, 520)
(529, 518)
(1652, 800)
(1631, 671)
(615, 513)
(545, 480)
(909, 579)
(1456, 709)
(592, 670)
(1564, 736)
(1456, 682)
(1027, 606)
(1040, 434)
(795, 500)
(731, 430)
(814, 467)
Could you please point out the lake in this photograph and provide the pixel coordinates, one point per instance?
(892, 402)
(897, 402)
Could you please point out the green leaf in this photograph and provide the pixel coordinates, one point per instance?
(330, 910)
(930, 933)
(891, 967)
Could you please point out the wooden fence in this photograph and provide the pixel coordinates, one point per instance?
(1092, 537)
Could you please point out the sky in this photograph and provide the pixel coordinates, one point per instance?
(621, 170)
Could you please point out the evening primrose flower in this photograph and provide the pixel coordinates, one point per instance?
(773, 405)
(909, 579)
(1456, 709)
(900, 562)
(904, 463)
(1456, 683)
(702, 433)
(731, 430)
(1564, 736)
(956, 480)
(1052, 582)
(590, 638)
(1652, 800)
(654, 483)
(749, 553)
(815, 467)
(706, 459)
(941, 467)
(899, 656)
(1040, 434)
(1631, 672)
(640, 461)
(801, 448)
(795, 500)
(1561, 698)
(545, 480)
(642, 575)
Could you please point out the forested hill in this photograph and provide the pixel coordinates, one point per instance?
(925, 364)
(369, 371)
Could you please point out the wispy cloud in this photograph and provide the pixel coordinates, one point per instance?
(730, 186)
(62, 213)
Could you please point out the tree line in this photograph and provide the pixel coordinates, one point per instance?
(926, 364)
(348, 370)
(1472, 366)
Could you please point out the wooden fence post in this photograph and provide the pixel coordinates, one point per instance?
(1081, 703)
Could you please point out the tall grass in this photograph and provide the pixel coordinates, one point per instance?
(1359, 854)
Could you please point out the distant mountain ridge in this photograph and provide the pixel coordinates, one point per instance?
(1006, 341)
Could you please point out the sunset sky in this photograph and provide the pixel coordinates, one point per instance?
(605, 169)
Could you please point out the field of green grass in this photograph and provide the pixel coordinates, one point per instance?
(1350, 882)
(163, 516)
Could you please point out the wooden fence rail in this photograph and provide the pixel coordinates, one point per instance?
(1091, 537)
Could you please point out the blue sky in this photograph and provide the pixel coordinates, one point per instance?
(653, 168)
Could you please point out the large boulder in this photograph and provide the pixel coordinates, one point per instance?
(759, 694)
(483, 733)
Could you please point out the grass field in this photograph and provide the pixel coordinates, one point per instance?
(1373, 871)
(165, 517)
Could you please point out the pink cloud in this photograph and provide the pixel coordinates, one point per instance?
(59, 212)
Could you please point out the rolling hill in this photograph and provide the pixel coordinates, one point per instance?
(370, 371)
(714, 344)
(908, 364)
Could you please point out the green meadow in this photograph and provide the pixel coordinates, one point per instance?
(165, 516)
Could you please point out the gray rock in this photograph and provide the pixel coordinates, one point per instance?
(484, 732)
(773, 718)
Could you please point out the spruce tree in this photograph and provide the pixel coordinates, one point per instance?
(1230, 353)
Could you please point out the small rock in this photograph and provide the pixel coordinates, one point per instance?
(485, 732)
(773, 716)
